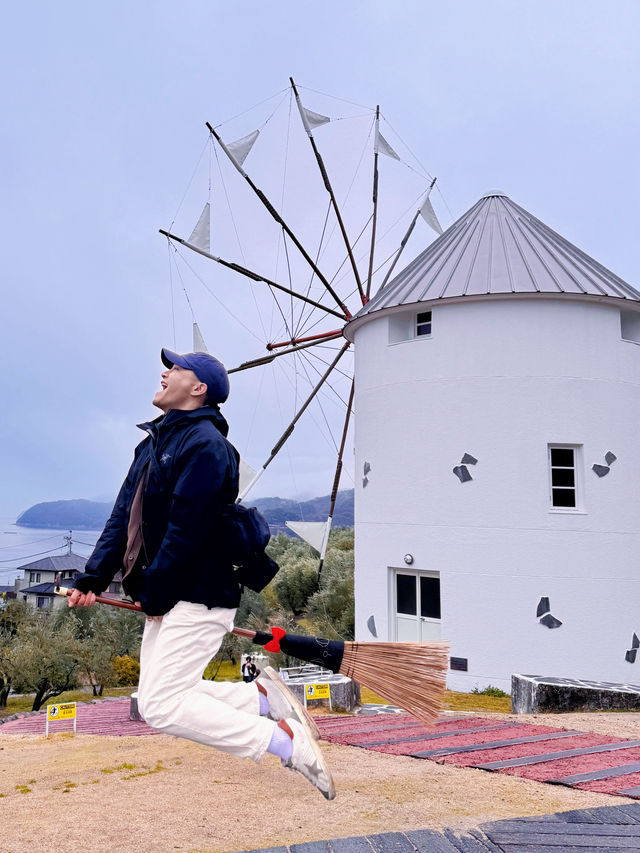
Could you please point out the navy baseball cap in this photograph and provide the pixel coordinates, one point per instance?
(207, 368)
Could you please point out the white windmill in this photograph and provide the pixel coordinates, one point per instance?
(497, 405)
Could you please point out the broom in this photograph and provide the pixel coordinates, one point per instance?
(411, 675)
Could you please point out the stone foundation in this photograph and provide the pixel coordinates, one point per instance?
(532, 694)
(345, 693)
(134, 714)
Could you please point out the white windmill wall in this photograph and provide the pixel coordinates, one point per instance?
(501, 379)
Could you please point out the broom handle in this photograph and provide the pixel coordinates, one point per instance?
(100, 599)
(128, 605)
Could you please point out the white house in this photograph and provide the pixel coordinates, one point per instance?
(496, 416)
(38, 581)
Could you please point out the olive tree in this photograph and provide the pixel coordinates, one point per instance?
(330, 611)
(44, 658)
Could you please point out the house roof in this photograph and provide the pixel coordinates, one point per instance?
(46, 588)
(498, 248)
(61, 563)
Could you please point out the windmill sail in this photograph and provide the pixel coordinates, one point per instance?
(314, 119)
(241, 147)
(198, 341)
(316, 533)
(429, 215)
(383, 147)
(201, 234)
(247, 473)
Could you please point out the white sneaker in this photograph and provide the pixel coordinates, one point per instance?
(283, 704)
(308, 760)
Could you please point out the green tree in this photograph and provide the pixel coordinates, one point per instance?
(103, 634)
(44, 658)
(296, 581)
(5, 674)
(330, 611)
(15, 615)
(127, 670)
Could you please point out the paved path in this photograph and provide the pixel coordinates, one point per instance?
(584, 760)
(610, 828)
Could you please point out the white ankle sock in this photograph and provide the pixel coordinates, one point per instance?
(280, 744)
(264, 704)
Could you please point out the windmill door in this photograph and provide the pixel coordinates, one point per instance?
(417, 606)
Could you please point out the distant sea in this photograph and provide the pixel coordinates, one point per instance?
(21, 545)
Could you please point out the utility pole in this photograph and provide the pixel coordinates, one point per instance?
(68, 540)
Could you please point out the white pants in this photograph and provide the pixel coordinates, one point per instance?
(173, 696)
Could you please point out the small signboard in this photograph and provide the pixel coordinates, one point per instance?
(317, 691)
(64, 711)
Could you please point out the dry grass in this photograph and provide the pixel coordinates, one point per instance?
(157, 794)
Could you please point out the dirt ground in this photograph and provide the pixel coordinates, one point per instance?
(96, 793)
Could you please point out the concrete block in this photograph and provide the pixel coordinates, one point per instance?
(345, 693)
(134, 713)
(532, 694)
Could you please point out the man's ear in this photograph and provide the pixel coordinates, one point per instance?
(200, 390)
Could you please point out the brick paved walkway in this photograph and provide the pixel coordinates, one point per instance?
(584, 760)
(602, 830)
(106, 717)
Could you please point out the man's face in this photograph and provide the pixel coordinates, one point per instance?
(180, 389)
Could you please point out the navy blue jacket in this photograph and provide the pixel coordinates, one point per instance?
(192, 475)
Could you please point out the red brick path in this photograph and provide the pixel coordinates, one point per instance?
(109, 717)
(481, 742)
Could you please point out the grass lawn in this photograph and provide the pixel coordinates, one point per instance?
(227, 671)
(455, 701)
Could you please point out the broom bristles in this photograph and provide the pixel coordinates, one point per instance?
(411, 675)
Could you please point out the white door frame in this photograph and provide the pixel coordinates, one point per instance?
(394, 571)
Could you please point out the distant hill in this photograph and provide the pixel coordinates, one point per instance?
(92, 515)
(279, 510)
(66, 515)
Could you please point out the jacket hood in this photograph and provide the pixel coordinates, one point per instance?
(177, 416)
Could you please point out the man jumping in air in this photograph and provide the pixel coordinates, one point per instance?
(163, 534)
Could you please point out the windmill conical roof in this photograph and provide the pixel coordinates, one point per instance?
(498, 249)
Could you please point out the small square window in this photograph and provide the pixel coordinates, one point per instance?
(630, 326)
(564, 480)
(423, 323)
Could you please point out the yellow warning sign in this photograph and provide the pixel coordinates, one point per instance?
(317, 691)
(66, 711)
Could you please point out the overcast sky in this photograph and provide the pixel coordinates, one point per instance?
(103, 113)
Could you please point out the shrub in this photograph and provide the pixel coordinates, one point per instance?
(490, 691)
(127, 670)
